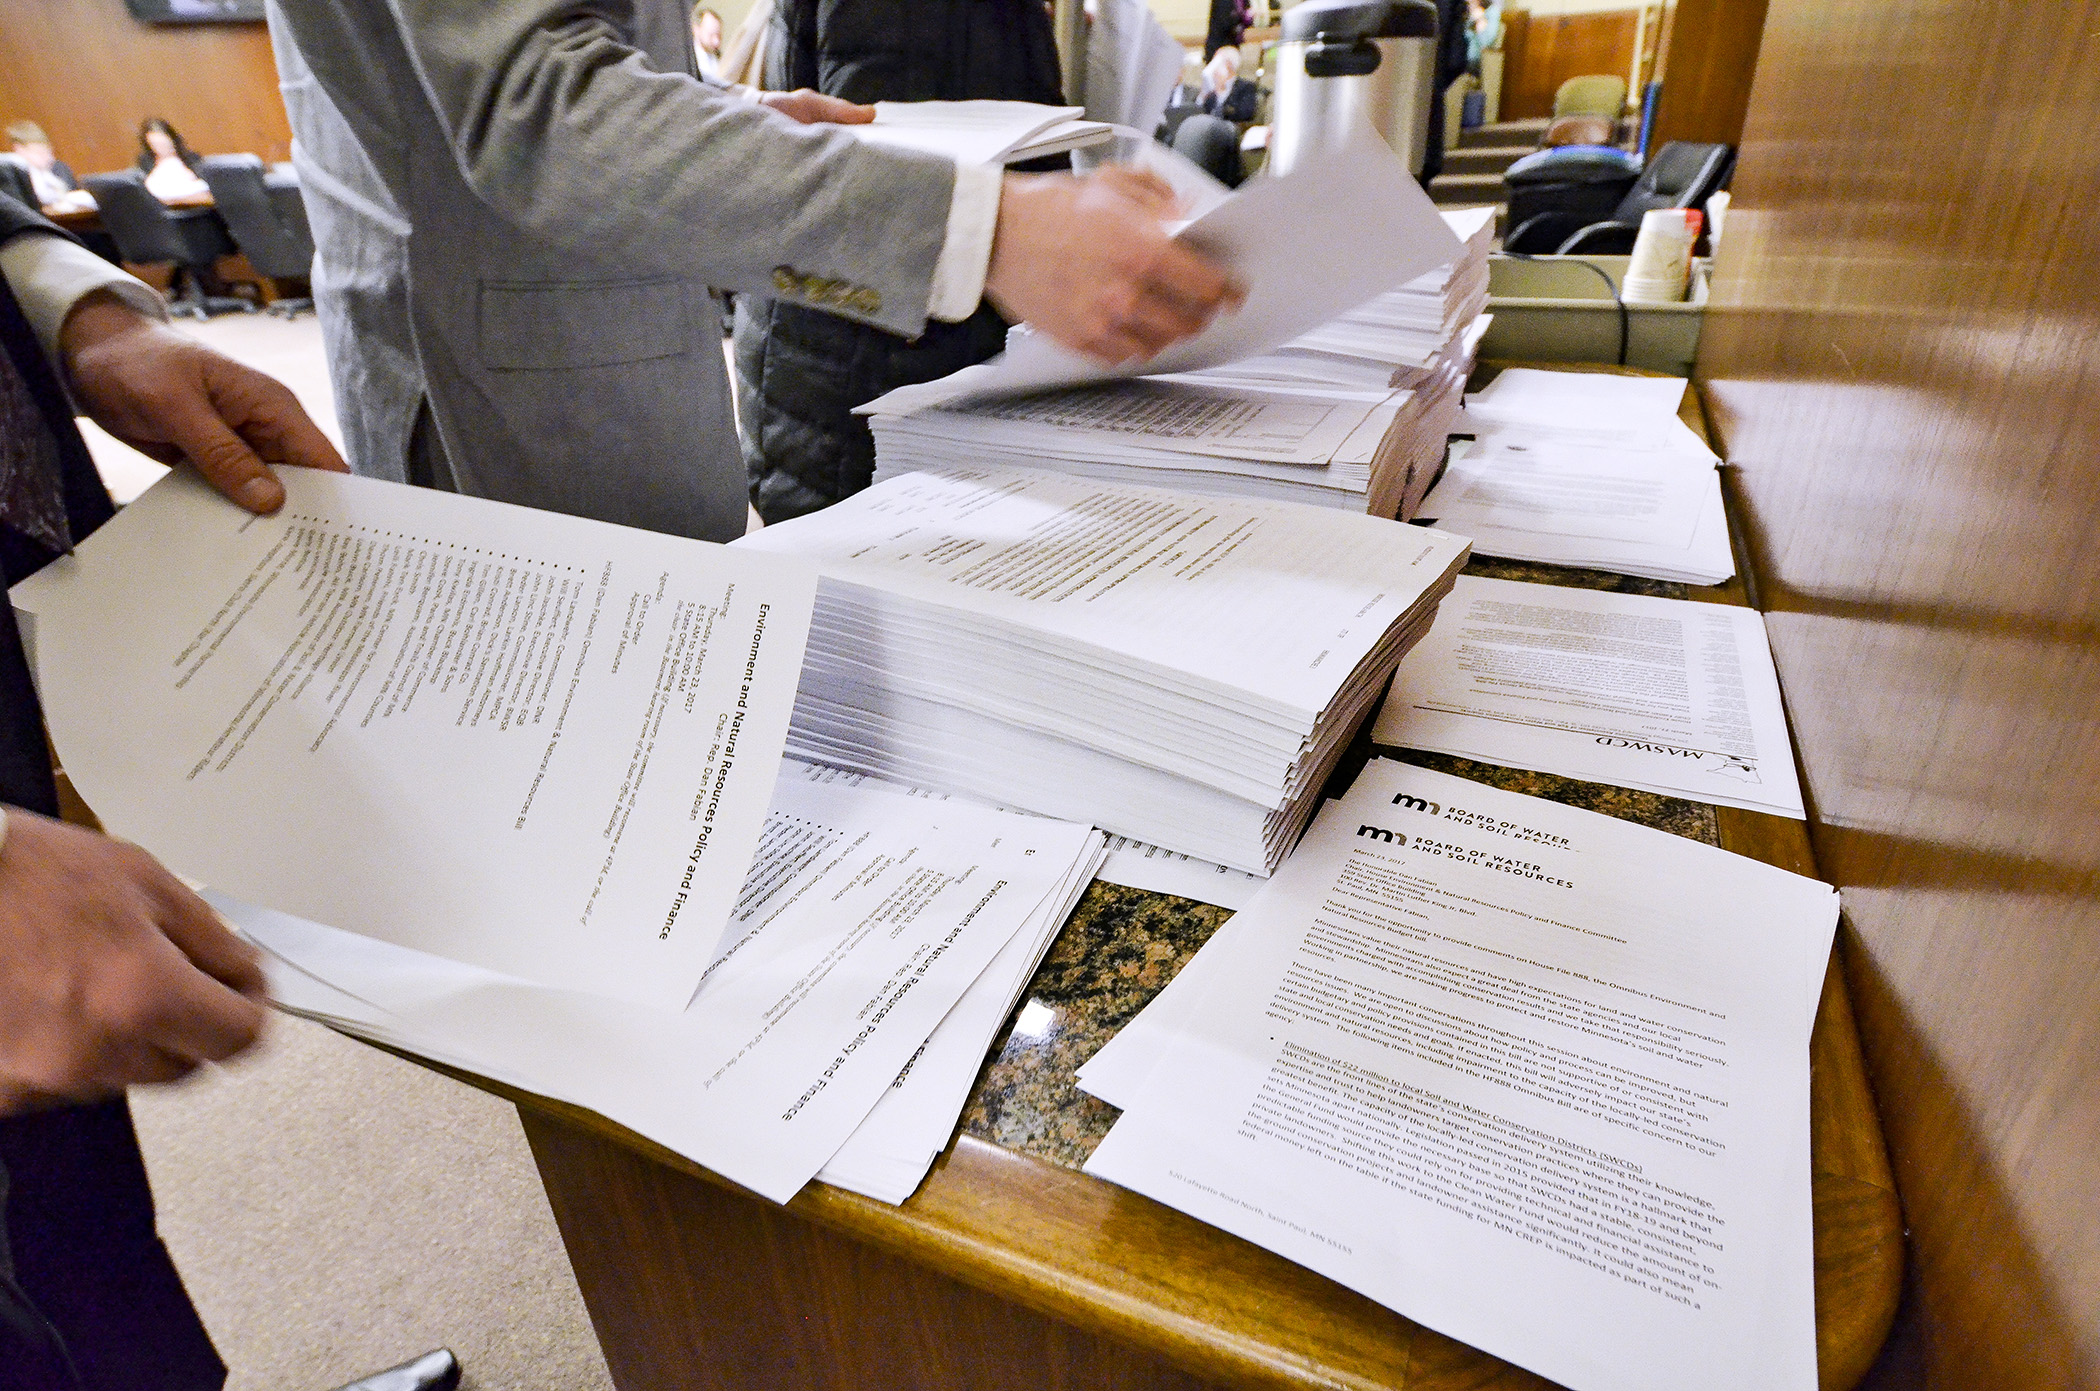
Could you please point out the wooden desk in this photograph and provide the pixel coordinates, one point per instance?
(1010, 1268)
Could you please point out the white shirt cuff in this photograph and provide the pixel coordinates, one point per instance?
(50, 275)
(973, 215)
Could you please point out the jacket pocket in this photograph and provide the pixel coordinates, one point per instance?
(544, 326)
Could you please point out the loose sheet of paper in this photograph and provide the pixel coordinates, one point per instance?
(1665, 695)
(1327, 236)
(1525, 481)
(1131, 863)
(887, 1157)
(866, 918)
(1469, 1042)
(526, 741)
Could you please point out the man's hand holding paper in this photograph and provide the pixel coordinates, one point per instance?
(1091, 263)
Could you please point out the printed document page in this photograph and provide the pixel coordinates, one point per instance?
(1535, 1077)
(1664, 695)
(1131, 863)
(526, 741)
(1184, 417)
(887, 1157)
(866, 918)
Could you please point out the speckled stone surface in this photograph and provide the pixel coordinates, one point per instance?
(1119, 949)
(1121, 946)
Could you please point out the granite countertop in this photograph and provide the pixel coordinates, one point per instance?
(1121, 946)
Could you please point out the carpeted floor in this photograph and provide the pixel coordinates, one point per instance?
(336, 1210)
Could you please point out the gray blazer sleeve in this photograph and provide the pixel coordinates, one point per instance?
(558, 122)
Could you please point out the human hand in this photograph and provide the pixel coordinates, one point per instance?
(169, 396)
(814, 108)
(1089, 262)
(111, 972)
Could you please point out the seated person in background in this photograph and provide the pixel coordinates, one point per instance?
(1225, 93)
(707, 42)
(54, 183)
(170, 165)
(800, 371)
(1210, 137)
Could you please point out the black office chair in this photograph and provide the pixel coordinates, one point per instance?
(149, 233)
(268, 222)
(1683, 174)
(1557, 192)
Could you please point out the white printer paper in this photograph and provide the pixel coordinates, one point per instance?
(866, 918)
(1665, 695)
(526, 741)
(1532, 1076)
(1131, 863)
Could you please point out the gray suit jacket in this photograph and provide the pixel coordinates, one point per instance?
(518, 208)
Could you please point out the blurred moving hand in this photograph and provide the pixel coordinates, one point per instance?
(111, 972)
(170, 397)
(1089, 262)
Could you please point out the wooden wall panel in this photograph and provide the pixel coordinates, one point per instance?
(1711, 60)
(88, 73)
(1902, 357)
(1541, 51)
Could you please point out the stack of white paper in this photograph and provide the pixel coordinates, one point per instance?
(1468, 1042)
(1334, 232)
(1665, 695)
(1315, 445)
(981, 132)
(1412, 325)
(1354, 415)
(1180, 670)
(1589, 470)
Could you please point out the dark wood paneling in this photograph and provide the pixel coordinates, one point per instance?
(88, 73)
(1711, 61)
(1542, 51)
(1901, 355)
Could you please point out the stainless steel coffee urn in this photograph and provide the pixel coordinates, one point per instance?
(1345, 61)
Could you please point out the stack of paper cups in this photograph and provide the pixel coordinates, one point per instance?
(1662, 256)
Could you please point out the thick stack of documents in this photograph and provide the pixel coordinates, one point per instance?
(1336, 231)
(1414, 324)
(1590, 470)
(1468, 1042)
(500, 787)
(1355, 414)
(1183, 671)
(1288, 442)
(981, 132)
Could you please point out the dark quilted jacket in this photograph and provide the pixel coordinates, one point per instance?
(800, 371)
